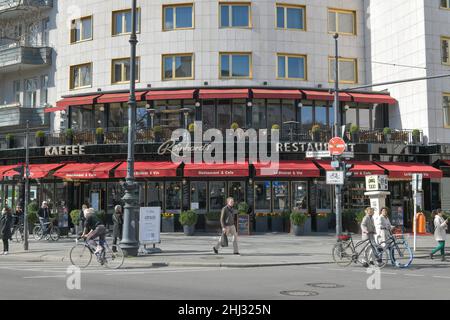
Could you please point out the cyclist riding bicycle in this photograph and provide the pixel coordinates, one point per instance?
(94, 228)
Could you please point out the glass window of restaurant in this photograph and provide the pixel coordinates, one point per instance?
(274, 113)
(236, 190)
(48, 194)
(142, 117)
(199, 196)
(168, 114)
(81, 118)
(365, 117)
(239, 113)
(323, 196)
(114, 195)
(262, 196)
(217, 195)
(300, 195)
(155, 193)
(351, 116)
(259, 114)
(97, 194)
(288, 113)
(99, 116)
(321, 111)
(223, 114)
(173, 196)
(116, 115)
(306, 116)
(189, 104)
(280, 195)
(208, 114)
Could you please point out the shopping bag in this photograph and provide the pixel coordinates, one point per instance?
(224, 240)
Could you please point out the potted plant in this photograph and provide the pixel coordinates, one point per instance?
(359, 216)
(275, 127)
(125, 134)
(277, 222)
(10, 140)
(387, 134)
(167, 222)
(234, 126)
(157, 131)
(32, 215)
(40, 138)
(322, 222)
(315, 133)
(354, 133)
(76, 218)
(262, 222)
(242, 208)
(213, 221)
(416, 136)
(69, 136)
(191, 129)
(188, 219)
(100, 134)
(298, 220)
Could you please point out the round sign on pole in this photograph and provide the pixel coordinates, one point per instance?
(336, 146)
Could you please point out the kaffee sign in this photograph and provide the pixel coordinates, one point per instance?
(64, 151)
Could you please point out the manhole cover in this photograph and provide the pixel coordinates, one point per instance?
(299, 293)
(212, 258)
(325, 285)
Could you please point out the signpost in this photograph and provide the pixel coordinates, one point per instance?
(417, 189)
(335, 177)
(336, 146)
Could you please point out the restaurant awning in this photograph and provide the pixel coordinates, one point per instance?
(75, 101)
(445, 163)
(372, 98)
(404, 170)
(37, 171)
(148, 170)
(220, 170)
(287, 169)
(81, 171)
(360, 168)
(325, 95)
(5, 169)
(276, 94)
(170, 94)
(119, 97)
(224, 94)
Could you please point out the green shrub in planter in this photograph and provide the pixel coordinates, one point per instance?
(234, 126)
(40, 134)
(416, 135)
(75, 216)
(99, 131)
(188, 218)
(242, 208)
(275, 127)
(32, 215)
(387, 131)
(69, 132)
(158, 129)
(315, 131)
(359, 217)
(298, 218)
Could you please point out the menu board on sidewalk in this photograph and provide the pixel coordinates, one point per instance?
(149, 225)
(244, 224)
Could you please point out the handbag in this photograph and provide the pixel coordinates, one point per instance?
(224, 240)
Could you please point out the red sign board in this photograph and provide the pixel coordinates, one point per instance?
(336, 146)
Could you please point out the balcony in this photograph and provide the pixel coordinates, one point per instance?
(13, 117)
(15, 56)
(13, 8)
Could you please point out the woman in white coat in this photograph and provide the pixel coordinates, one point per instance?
(440, 233)
(383, 226)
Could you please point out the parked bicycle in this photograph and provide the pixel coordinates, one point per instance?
(111, 257)
(52, 232)
(17, 233)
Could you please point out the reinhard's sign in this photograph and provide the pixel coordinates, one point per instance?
(64, 151)
(377, 183)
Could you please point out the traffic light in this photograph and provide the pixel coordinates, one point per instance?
(347, 169)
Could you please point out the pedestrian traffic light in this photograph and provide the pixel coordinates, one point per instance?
(347, 170)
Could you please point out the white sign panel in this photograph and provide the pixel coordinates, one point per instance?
(335, 177)
(149, 225)
(417, 181)
(377, 183)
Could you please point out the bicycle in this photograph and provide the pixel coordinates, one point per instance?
(18, 233)
(81, 254)
(345, 252)
(399, 252)
(52, 231)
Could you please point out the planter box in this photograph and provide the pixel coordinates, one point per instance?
(322, 225)
(308, 228)
(212, 226)
(189, 230)
(167, 225)
(277, 224)
(262, 224)
(297, 230)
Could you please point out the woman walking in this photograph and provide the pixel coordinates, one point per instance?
(384, 226)
(5, 229)
(440, 233)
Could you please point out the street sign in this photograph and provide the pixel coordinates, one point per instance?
(377, 183)
(335, 177)
(335, 164)
(318, 154)
(337, 146)
(417, 181)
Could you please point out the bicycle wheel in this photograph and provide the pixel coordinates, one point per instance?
(401, 255)
(342, 254)
(114, 257)
(54, 233)
(80, 256)
(18, 235)
(37, 233)
(379, 259)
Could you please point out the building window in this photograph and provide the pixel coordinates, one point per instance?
(16, 91)
(446, 105)
(280, 195)
(122, 22)
(223, 115)
(121, 71)
(348, 70)
(291, 17)
(235, 65)
(31, 86)
(44, 89)
(259, 119)
(155, 193)
(262, 196)
(300, 195)
(235, 15)
(198, 195)
(323, 196)
(291, 67)
(236, 190)
(173, 196)
(445, 45)
(208, 114)
(445, 4)
(177, 67)
(178, 17)
(217, 195)
(81, 76)
(239, 113)
(342, 21)
(81, 29)
(45, 32)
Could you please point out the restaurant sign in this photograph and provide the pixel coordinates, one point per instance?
(377, 183)
(75, 150)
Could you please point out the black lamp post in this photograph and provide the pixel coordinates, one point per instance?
(129, 243)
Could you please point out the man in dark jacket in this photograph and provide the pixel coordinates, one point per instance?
(5, 229)
(44, 216)
(118, 223)
(228, 227)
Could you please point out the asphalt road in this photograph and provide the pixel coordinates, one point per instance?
(47, 280)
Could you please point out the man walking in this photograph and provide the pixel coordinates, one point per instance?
(368, 232)
(44, 216)
(228, 227)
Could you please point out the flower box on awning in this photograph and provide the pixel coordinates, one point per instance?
(82, 171)
(219, 170)
(148, 170)
(276, 94)
(325, 96)
(170, 94)
(119, 97)
(287, 169)
(405, 170)
(223, 94)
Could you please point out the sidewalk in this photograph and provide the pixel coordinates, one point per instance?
(178, 250)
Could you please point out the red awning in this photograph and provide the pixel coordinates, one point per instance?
(360, 168)
(76, 101)
(148, 170)
(288, 169)
(325, 95)
(222, 170)
(276, 94)
(48, 110)
(170, 94)
(119, 97)
(404, 170)
(81, 171)
(5, 169)
(373, 98)
(445, 163)
(224, 94)
(37, 171)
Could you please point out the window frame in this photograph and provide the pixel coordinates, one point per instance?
(286, 58)
(286, 6)
(355, 60)
(230, 14)
(174, 78)
(249, 54)
(336, 11)
(174, 6)
(445, 94)
(113, 22)
(71, 77)
(138, 73)
(72, 30)
(445, 38)
(447, 7)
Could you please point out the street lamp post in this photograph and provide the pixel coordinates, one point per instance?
(27, 180)
(129, 243)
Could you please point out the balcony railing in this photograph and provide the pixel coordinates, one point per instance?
(11, 7)
(14, 56)
(147, 135)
